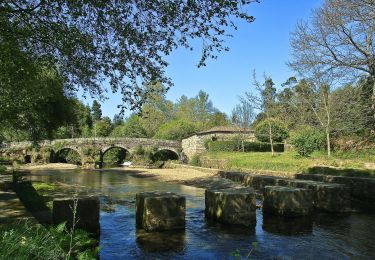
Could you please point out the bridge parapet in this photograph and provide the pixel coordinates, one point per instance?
(88, 148)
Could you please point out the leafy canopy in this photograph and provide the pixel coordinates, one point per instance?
(122, 42)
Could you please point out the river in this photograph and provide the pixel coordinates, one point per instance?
(323, 235)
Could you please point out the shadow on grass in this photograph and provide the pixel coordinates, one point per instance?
(349, 172)
(35, 203)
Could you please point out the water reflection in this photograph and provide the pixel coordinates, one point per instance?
(161, 241)
(287, 226)
(323, 236)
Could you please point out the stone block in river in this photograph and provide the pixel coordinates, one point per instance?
(259, 181)
(86, 209)
(360, 188)
(330, 197)
(159, 211)
(231, 206)
(287, 201)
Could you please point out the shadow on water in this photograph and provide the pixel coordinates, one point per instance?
(287, 226)
(167, 241)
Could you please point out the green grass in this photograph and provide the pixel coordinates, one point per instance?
(27, 240)
(290, 161)
(43, 187)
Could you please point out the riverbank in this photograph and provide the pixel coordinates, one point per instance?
(186, 176)
(48, 166)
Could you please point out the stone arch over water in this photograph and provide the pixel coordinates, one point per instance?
(166, 154)
(67, 155)
(117, 154)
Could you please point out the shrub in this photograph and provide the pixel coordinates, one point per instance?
(308, 140)
(195, 160)
(230, 146)
(279, 130)
(2, 169)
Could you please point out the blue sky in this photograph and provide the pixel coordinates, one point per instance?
(262, 46)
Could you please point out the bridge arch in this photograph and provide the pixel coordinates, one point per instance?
(115, 154)
(67, 155)
(165, 154)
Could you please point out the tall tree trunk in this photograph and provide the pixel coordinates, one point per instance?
(328, 137)
(242, 142)
(270, 135)
(372, 77)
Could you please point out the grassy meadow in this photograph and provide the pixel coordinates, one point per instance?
(293, 163)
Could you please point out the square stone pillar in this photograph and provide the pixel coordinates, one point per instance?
(231, 206)
(159, 211)
(87, 213)
(287, 201)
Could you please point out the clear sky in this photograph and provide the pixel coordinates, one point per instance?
(262, 46)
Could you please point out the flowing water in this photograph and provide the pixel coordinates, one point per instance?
(323, 236)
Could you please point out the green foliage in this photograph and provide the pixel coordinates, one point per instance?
(195, 160)
(28, 241)
(114, 156)
(134, 128)
(142, 155)
(230, 146)
(32, 99)
(68, 156)
(43, 188)
(308, 140)
(176, 130)
(25, 240)
(279, 130)
(78, 41)
(2, 169)
(96, 111)
(103, 127)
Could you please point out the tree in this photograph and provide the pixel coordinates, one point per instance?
(176, 130)
(117, 120)
(264, 102)
(103, 127)
(134, 128)
(242, 116)
(279, 130)
(316, 94)
(96, 111)
(217, 119)
(124, 42)
(339, 39)
(32, 98)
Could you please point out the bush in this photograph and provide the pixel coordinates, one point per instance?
(2, 169)
(279, 130)
(195, 160)
(308, 140)
(230, 146)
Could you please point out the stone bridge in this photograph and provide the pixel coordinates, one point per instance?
(91, 150)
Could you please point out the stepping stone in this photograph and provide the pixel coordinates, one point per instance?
(259, 181)
(287, 201)
(360, 187)
(86, 216)
(330, 197)
(159, 211)
(231, 206)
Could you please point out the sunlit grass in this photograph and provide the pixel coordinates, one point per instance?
(289, 161)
